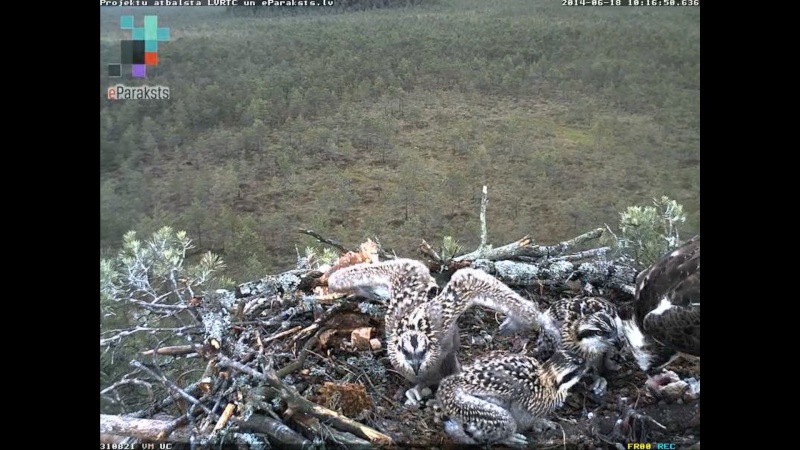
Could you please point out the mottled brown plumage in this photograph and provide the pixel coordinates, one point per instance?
(421, 326)
(502, 394)
(589, 327)
(667, 308)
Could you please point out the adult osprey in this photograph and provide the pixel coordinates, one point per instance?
(666, 321)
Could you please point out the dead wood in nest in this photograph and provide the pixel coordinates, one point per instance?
(272, 344)
(299, 404)
(142, 429)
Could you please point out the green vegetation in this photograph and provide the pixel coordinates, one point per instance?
(386, 123)
(145, 279)
(648, 232)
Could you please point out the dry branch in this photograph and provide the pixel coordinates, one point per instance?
(522, 247)
(335, 244)
(484, 231)
(299, 404)
(274, 428)
(124, 333)
(438, 264)
(313, 426)
(289, 368)
(586, 254)
(141, 429)
(158, 307)
(175, 350)
(172, 386)
(550, 251)
(324, 240)
(167, 402)
(225, 417)
(339, 307)
(126, 381)
(428, 251)
(598, 274)
(282, 334)
(526, 247)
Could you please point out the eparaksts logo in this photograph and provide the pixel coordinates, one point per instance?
(121, 92)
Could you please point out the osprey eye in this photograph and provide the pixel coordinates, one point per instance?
(583, 334)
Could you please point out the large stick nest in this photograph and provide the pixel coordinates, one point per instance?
(288, 364)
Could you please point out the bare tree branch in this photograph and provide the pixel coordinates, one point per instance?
(337, 245)
(277, 429)
(324, 240)
(599, 252)
(124, 333)
(605, 274)
(314, 427)
(172, 386)
(300, 404)
(522, 247)
(158, 307)
(550, 251)
(484, 231)
(175, 350)
(127, 381)
(141, 429)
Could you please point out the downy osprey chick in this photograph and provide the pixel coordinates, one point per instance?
(502, 394)
(421, 322)
(589, 327)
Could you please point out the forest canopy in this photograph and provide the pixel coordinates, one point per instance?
(384, 123)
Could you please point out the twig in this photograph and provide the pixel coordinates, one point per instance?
(274, 428)
(175, 350)
(141, 429)
(124, 333)
(428, 251)
(225, 416)
(342, 438)
(301, 359)
(192, 427)
(340, 306)
(550, 251)
(302, 405)
(324, 240)
(282, 334)
(484, 232)
(639, 416)
(525, 247)
(586, 254)
(167, 402)
(173, 387)
(221, 384)
(390, 401)
(599, 273)
(159, 307)
(146, 385)
(336, 244)
(521, 247)
(437, 263)
(616, 239)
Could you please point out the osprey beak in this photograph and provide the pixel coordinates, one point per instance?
(619, 341)
(415, 364)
